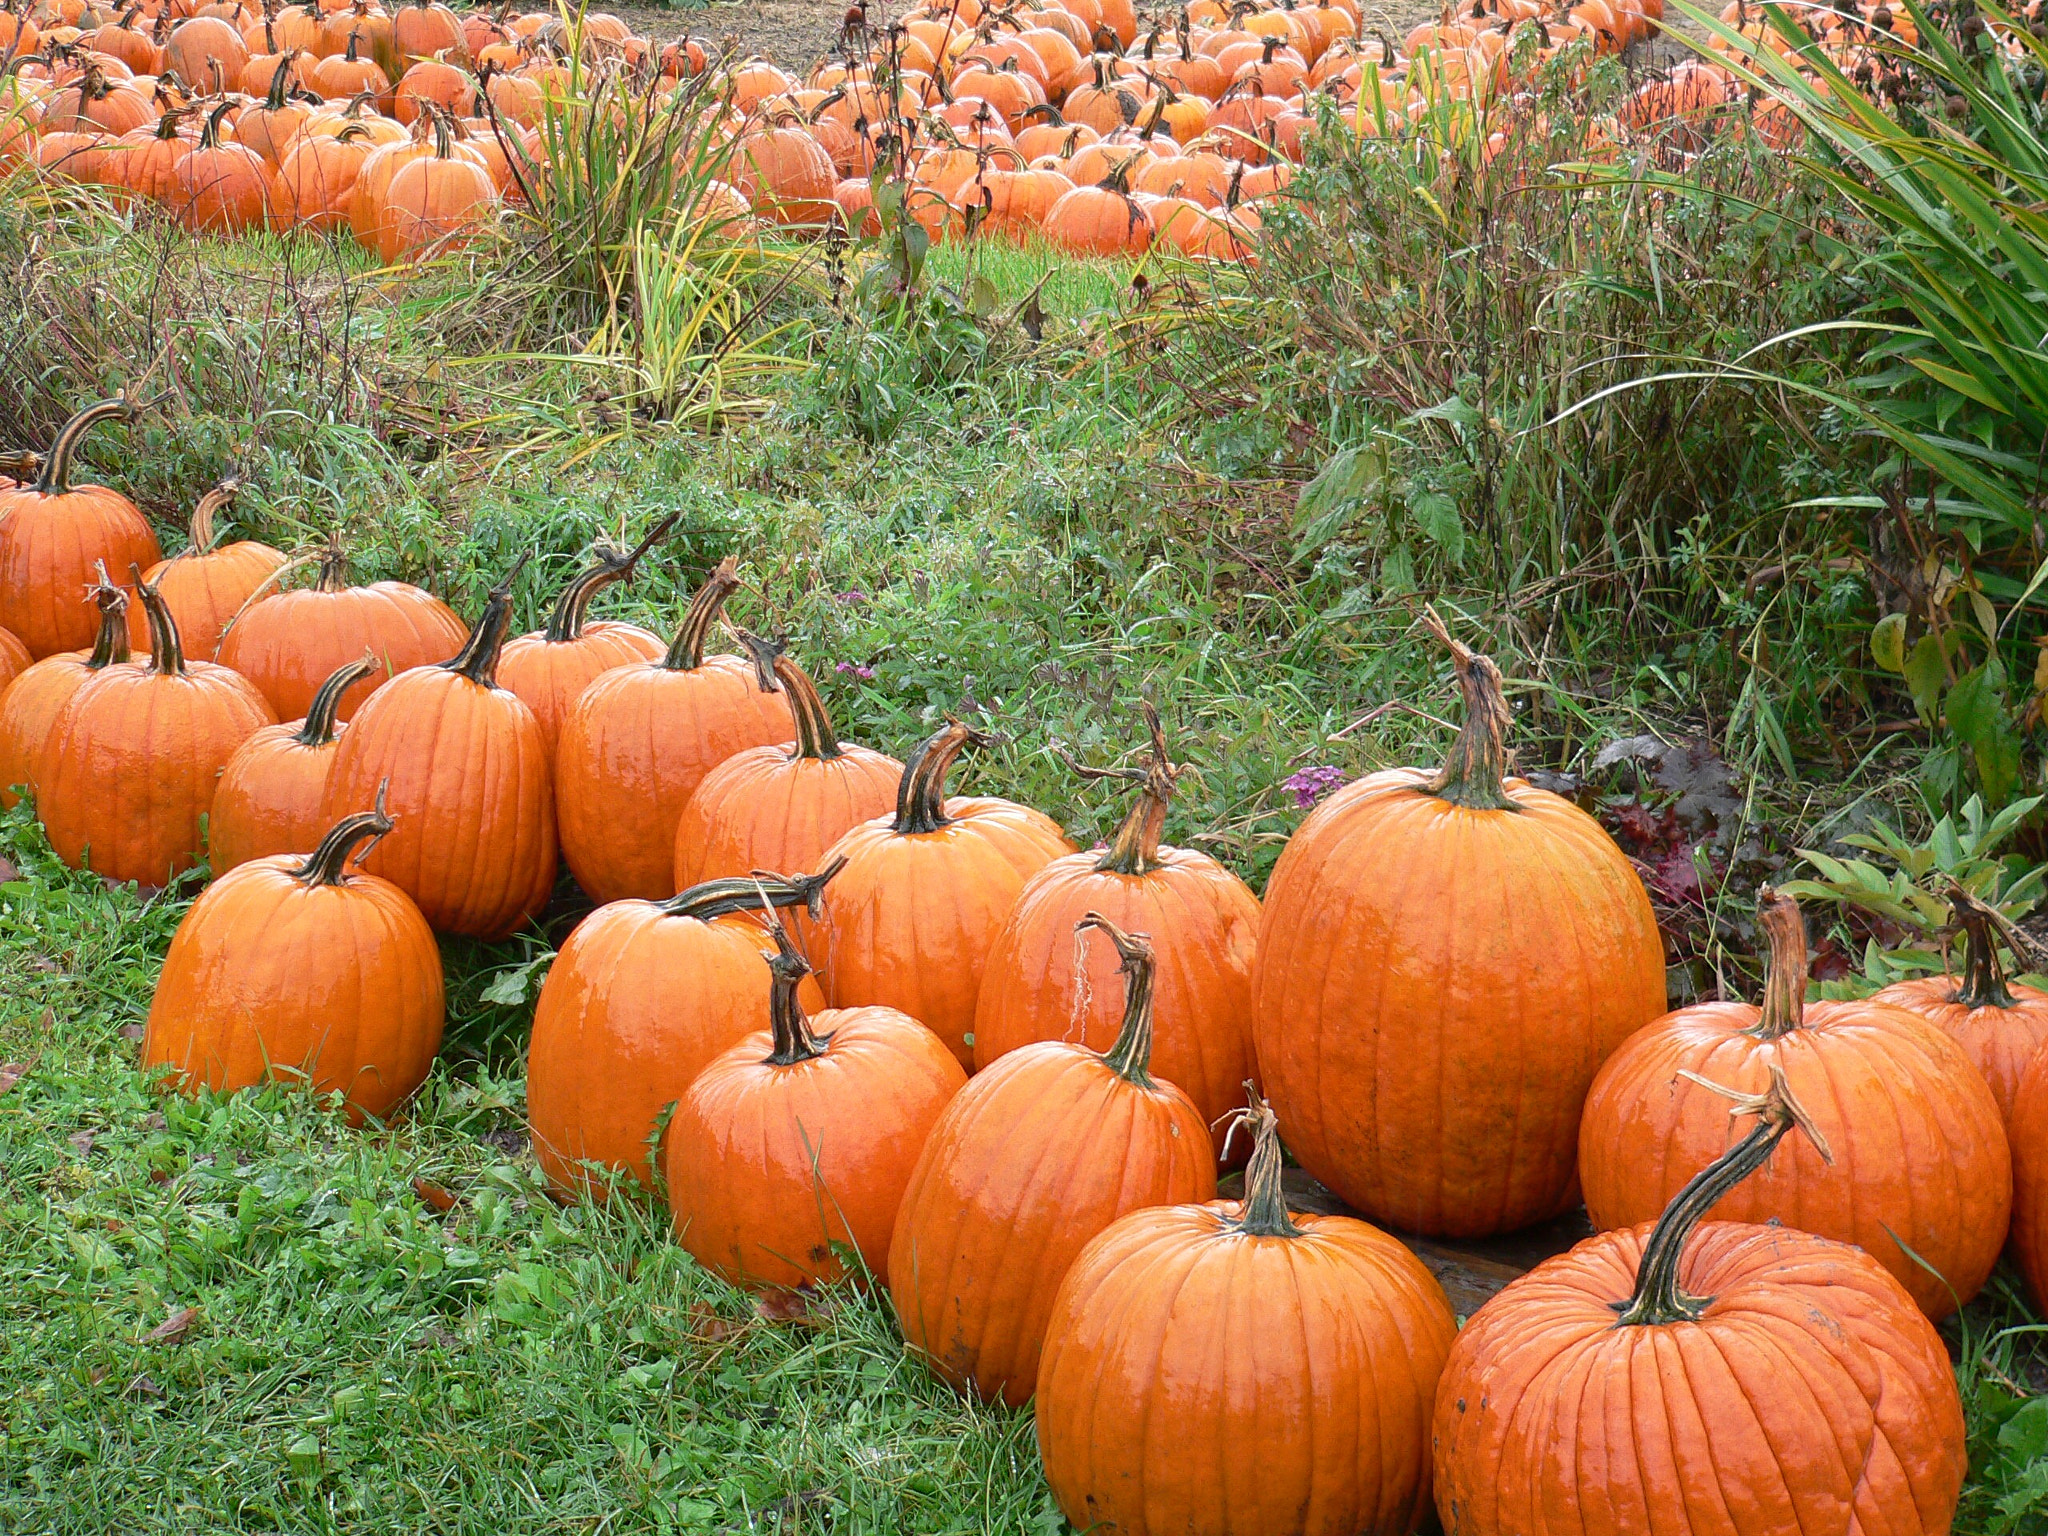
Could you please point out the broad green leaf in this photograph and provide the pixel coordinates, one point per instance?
(1888, 642)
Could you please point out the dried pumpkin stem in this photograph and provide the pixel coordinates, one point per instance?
(760, 892)
(318, 729)
(56, 476)
(478, 658)
(1263, 1212)
(921, 792)
(609, 563)
(1984, 981)
(794, 1041)
(110, 646)
(350, 838)
(1784, 1005)
(686, 651)
(167, 652)
(1473, 775)
(815, 737)
(201, 527)
(1131, 1057)
(1135, 848)
(333, 575)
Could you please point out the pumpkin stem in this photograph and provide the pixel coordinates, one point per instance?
(478, 658)
(1784, 1006)
(352, 837)
(318, 728)
(1135, 849)
(209, 135)
(815, 736)
(56, 476)
(110, 647)
(758, 892)
(167, 653)
(202, 515)
(794, 1041)
(1131, 1057)
(1984, 981)
(1263, 1212)
(1657, 1298)
(333, 575)
(274, 101)
(608, 564)
(921, 792)
(686, 651)
(1472, 775)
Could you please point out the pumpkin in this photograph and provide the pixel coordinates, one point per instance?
(153, 153)
(785, 174)
(803, 1138)
(469, 785)
(206, 53)
(292, 966)
(129, 771)
(435, 201)
(910, 923)
(1674, 1377)
(14, 659)
(270, 128)
(2000, 1024)
(288, 643)
(221, 187)
(551, 667)
(206, 586)
(347, 73)
(781, 807)
(430, 84)
(1233, 1367)
(1444, 962)
(425, 29)
(1925, 1179)
(640, 739)
(269, 796)
(1204, 924)
(1102, 219)
(53, 535)
(1036, 1156)
(640, 1000)
(318, 177)
(30, 704)
(2028, 1128)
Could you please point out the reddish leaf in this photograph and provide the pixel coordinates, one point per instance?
(144, 1386)
(134, 1031)
(172, 1330)
(8, 872)
(707, 1325)
(12, 1072)
(1830, 962)
(804, 1309)
(433, 1194)
(82, 1143)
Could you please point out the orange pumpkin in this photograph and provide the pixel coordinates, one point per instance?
(425, 29)
(268, 801)
(206, 586)
(293, 967)
(435, 201)
(786, 175)
(30, 704)
(318, 177)
(1102, 219)
(206, 53)
(220, 187)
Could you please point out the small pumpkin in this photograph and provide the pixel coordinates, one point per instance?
(469, 786)
(549, 668)
(640, 739)
(206, 585)
(54, 534)
(128, 775)
(270, 792)
(910, 923)
(640, 1000)
(1235, 1367)
(1036, 1156)
(30, 704)
(296, 966)
(1925, 1179)
(1669, 1368)
(802, 1139)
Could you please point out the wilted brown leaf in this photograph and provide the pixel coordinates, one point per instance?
(9, 873)
(804, 1309)
(134, 1031)
(172, 1330)
(434, 1195)
(144, 1386)
(707, 1325)
(12, 1072)
(81, 1143)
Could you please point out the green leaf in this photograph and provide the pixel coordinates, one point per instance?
(1436, 519)
(1329, 501)
(1980, 719)
(1888, 642)
(1925, 671)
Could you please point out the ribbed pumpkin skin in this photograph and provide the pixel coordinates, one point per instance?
(470, 791)
(342, 982)
(132, 762)
(49, 547)
(768, 1166)
(637, 1003)
(14, 659)
(1204, 924)
(1999, 1041)
(269, 798)
(1436, 986)
(551, 675)
(288, 643)
(1918, 1142)
(205, 591)
(2029, 1133)
(28, 708)
(1204, 1382)
(1037, 1155)
(1811, 1396)
(636, 745)
(911, 919)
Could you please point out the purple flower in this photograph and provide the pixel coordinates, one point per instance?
(855, 596)
(853, 669)
(1311, 784)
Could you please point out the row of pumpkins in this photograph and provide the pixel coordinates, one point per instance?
(926, 1030)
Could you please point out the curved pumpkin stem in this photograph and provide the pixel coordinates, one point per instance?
(1657, 1298)
(761, 892)
(478, 658)
(274, 101)
(608, 564)
(1472, 775)
(794, 1041)
(921, 792)
(1131, 1057)
(56, 476)
(333, 575)
(202, 515)
(1984, 980)
(686, 651)
(815, 736)
(352, 837)
(1784, 1005)
(167, 652)
(110, 646)
(1135, 849)
(1263, 1212)
(318, 729)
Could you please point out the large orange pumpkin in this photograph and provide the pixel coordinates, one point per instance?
(1036, 1156)
(910, 923)
(469, 786)
(802, 1139)
(294, 967)
(1670, 1377)
(14, 659)
(639, 1001)
(1444, 963)
(1923, 1181)
(128, 774)
(30, 704)
(1233, 1368)
(551, 667)
(2000, 1024)
(289, 643)
(2028, 1129)
(206, 586)
(435, 201)
(222, 187)
(318, 176)
(53, 535)
(270, 792)
(641, 738)
(1204, 925)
